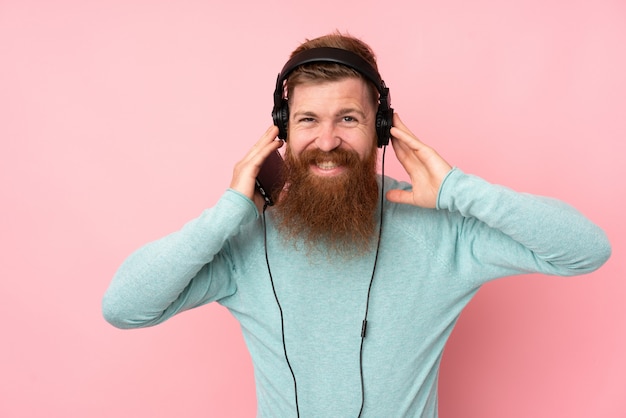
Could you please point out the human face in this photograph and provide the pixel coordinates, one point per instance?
(330, 115)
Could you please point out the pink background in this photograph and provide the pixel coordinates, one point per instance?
(120, 120)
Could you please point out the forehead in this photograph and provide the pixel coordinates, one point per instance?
(353, 89)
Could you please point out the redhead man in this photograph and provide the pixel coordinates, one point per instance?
(348, 287)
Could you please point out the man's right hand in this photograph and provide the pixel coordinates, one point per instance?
(246, 170)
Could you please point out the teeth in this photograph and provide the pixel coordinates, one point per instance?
(326, 165)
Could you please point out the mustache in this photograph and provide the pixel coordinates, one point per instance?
(337, 156)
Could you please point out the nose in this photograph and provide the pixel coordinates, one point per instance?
(328, 138)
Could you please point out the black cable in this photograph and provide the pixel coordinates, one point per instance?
(369, 289)
(367, 302)
(280, 309)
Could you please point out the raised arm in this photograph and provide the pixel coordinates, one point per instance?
(548, 235)
(552, 237)
(192, 266)
(180, 271)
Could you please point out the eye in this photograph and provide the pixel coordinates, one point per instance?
(306, 119)
(349, 120)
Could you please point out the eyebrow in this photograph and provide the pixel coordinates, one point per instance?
(341, 112)
(305, 113)
(348, 110)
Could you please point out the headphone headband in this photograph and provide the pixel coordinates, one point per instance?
(330, 55)
(280, 113)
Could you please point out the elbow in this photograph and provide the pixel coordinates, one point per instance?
(602, 254)
(595, 254)
(114, 315)
(121, 315)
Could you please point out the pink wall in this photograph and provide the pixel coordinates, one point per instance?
(120, 120)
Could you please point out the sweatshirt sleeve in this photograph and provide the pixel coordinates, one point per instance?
(185, 269)
(525, 233)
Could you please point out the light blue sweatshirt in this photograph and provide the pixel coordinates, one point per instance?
(431, 263)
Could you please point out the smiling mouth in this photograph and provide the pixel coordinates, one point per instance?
(326, 165)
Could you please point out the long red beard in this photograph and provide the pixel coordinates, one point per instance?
(336, 213)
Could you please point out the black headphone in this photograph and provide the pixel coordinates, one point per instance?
(384, 114)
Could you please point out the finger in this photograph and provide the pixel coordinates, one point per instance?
(404, 134)
(397, 121)
(404, 152)
(409, 148)
(270, 135)
(407, 138)
(246, 170)
(263, 148)
(268, 144)
(268, 138)
(424, 200)
(400, 196)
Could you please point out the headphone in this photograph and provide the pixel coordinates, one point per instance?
(384, 114)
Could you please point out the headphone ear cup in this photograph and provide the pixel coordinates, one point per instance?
(280, 115)
(384, 122)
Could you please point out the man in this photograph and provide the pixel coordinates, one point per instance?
(343, 315)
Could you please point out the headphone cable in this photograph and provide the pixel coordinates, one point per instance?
(280, 310)
(367, 302)
(369, 289)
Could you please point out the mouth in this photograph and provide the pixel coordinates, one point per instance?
(326, 165)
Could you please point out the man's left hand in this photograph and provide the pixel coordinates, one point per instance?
(425, 167)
